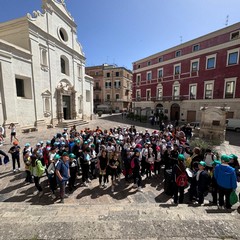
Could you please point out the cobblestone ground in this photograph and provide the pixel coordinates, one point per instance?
(96, 213)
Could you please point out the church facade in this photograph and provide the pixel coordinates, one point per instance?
(42, 69)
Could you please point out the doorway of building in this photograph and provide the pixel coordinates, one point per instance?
(175, 112)
(191, 116)
(66, 107)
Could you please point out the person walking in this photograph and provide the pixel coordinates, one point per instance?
(13, 133)
(15, 152)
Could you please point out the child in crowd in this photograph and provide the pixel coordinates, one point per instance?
(114, 165)
(203, 180)
(73, 171)
(102, 164)
(15, 152)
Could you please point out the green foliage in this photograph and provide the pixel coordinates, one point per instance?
(203, 145)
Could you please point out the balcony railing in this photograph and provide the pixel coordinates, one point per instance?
(97, 88)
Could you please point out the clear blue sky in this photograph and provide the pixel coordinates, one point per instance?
(123, 31)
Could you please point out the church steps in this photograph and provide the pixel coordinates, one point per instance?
(70, 123)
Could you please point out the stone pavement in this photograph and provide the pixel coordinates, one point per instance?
(94, 213)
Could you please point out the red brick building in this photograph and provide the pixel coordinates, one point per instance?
(179, 80)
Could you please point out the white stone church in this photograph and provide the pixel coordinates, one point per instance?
(42, 69)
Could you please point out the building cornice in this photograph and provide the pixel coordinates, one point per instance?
(191, 42)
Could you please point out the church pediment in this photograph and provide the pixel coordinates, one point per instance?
(60, 4)
(47, 93)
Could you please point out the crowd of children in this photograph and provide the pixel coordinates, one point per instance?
(106, 154)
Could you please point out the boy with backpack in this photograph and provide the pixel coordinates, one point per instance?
(203, 181)
(180, 179)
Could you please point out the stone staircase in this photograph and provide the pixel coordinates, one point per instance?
(70, 123)
(116, 221)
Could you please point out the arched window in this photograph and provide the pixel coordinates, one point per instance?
(64, 65)
(176, 90)
(159, 92)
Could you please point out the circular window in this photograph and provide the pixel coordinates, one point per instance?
(63, 34)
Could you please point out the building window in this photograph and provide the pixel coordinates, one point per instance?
(159, 93)
(138, 95)
(176, 91)
(211, 62)
(63, 34)
(23, 87)
(160, 59)
(232, 57)
(194, 65)
(108, 74)
(108, 84)
(177, 69)
(20, 87)
(193, 92)
(148, 95)
(234, 35)
(149, 63)
(79, 69)
(88, 96)
(43, 57)
(208, 90)
(178, 53)
(230, 88)
(108, 97)
(160, 73)
(117, 84)
(196, 47)
(64, 65)
(138, 66)
(138, 79)
(117, 96)
(117, 74)
(149, 76)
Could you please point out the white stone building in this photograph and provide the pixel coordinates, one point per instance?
(42, 69)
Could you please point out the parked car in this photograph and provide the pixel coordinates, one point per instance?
(194, 125)
(233, 124)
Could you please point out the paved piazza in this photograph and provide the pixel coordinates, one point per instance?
(94, 213)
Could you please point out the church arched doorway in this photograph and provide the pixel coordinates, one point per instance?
(66, 106)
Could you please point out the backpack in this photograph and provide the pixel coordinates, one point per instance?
(40, 168)
(133, 163)
(182, 179)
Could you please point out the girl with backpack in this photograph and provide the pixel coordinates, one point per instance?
(179, 179)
